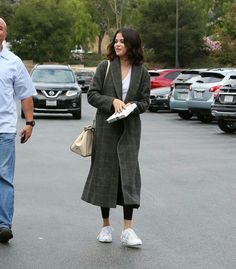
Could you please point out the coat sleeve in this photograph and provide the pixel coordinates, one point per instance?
(94, 94)
(143, 95)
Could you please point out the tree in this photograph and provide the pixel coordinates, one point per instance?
(226, 33)
(115, 14)
(46, 30)
(157, 25)
(104, 22)
(6, 10)
(84, 29)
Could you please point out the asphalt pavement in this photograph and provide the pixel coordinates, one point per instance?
(187, 218)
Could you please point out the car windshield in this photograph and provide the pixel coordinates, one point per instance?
(187, 75)
(53, 76)
(210, 77)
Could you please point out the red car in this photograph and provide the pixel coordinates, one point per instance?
(163, 77)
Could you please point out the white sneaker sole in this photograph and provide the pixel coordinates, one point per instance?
(104, 241)
(131, 245)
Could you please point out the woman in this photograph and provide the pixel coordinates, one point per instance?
(114, 176)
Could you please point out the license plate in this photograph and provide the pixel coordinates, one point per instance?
(229, 98)
(51, 103)
(198, 95)
(183, 96)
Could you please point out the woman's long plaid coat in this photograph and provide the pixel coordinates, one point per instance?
(116, 145)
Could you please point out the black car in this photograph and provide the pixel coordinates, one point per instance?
(57, 90)
(84, 78)
(224, 107)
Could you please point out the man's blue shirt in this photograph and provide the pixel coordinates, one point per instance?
(15, 83)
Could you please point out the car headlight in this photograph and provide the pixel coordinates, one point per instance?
(166, 96)
(72, 93)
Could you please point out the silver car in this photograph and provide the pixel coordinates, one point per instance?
(202, 92)
(180, 90)
(159, 99)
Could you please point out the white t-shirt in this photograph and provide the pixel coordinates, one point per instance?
(125, 84)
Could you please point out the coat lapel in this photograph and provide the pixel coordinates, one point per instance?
(134, 82)
(116, 76)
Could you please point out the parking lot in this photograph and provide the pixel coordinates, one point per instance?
(187, 215)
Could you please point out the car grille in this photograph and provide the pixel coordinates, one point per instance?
(51, 93)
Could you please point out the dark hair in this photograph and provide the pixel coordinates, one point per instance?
(133, 44)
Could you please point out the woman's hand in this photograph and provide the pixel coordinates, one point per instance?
(118, 105)
(127, 104)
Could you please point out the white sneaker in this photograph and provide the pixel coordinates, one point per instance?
(105, 236)
(129, 238)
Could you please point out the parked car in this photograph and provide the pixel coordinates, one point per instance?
(57, 90)
(179, 92)
(162, 77)
(159, 99)
(84, 78)
(224, 106)
(202, 92)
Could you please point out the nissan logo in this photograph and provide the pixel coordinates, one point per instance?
(51, 93)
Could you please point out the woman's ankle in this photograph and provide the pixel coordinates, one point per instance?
(106, 222)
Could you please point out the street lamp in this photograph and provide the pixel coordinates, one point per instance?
(177, 35)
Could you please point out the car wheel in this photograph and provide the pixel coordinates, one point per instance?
(77, 115)
(205, 118)
(153, 109)
(227, 126)
(185, 115)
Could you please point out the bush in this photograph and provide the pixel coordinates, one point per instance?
(88, 59)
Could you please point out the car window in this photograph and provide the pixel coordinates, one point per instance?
(53, 76)
(154, 74)
(210, 77)
(172, 75)
(232, 81)
(187, 75)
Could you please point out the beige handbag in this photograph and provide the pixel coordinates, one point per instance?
(83, 143)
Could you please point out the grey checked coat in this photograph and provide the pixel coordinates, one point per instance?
(116, 145)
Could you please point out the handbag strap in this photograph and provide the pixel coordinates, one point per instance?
(108, 66)
(107, 70)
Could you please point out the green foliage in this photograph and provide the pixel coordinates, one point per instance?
(157, 25)
(92, 59)
(84, 29)
(227, 34)
(46, 30)
(6, 10)
(110, 15)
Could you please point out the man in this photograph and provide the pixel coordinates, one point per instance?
(15, 82)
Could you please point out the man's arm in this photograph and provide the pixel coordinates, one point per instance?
(28, 108)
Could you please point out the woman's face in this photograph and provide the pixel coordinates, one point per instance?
(119, 45)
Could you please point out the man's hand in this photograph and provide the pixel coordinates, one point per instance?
(25, 133)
